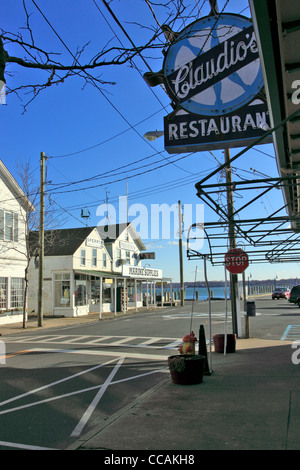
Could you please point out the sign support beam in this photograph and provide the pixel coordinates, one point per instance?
(232, 243)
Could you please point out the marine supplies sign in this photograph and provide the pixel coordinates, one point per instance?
(141, 272)
(212, 67)
(191, 132)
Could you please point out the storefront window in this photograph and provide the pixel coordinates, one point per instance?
(130, 291)
(16, 292)
(139, 290)
(62, 286)
(106, 293)
(2, 292)
(95, 289)
(80, 290)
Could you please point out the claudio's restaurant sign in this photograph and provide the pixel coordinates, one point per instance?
(212, 74)
(213, 67)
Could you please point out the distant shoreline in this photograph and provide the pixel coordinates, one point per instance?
(250, 282)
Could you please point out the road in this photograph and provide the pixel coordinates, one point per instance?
(58, 384)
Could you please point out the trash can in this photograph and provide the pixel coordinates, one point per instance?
(251, 309)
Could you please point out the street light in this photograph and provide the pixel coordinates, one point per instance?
(153, 135)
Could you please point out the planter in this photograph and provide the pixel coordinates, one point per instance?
(219, 343)
(186, 369)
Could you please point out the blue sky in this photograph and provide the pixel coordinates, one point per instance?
(87, 131)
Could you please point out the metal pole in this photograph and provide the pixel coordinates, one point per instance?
(41, 239)
(209, 311)
(244, 291)
(180, 256)
(226, 312)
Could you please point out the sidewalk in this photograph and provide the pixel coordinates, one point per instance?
(250, 402)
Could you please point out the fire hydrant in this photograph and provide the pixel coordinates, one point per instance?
(188, 346)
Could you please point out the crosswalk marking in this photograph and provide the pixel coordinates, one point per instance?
(149, 341)
(124, 340)
(111, 341)
(53, 338)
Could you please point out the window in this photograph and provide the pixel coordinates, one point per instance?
(80, 289)
(8, 225)
(8, 231)
(62, 290)
(106, 292)
(104, 260)
(16, 292)
(3, 295)
(127, 257)
(94, 257)
(82, 258)
(95, 290)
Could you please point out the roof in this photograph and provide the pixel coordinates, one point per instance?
(14, 187)
(62, 242)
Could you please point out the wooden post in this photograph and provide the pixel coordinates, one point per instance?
(41, 239)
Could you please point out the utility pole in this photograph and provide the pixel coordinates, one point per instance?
(180, 255)
(41, 239)
(232, 242)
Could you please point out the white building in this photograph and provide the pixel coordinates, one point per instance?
(85, 271)
(13, 253)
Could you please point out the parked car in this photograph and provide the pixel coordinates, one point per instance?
(278, 293)
(295, 295)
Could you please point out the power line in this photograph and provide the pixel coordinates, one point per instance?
(153, 189)
(106, 140)
(111, 173)
(120, 179)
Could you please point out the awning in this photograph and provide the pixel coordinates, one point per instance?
(106, 274)
(277, 28)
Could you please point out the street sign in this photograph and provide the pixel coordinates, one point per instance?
(236, 261)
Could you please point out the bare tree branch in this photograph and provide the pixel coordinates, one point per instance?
(33, 57)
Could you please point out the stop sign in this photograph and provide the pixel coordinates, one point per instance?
(236, 261)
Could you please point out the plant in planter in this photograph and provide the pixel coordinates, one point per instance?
(186, 369)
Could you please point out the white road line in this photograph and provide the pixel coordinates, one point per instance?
(124, 340)
(76, 339)
(78, 392)
(53, 338)
(24, 446)
(98, 340)
(51, 384)
(24, 339)
(149, 341)
(88, 413)
(173, 345)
